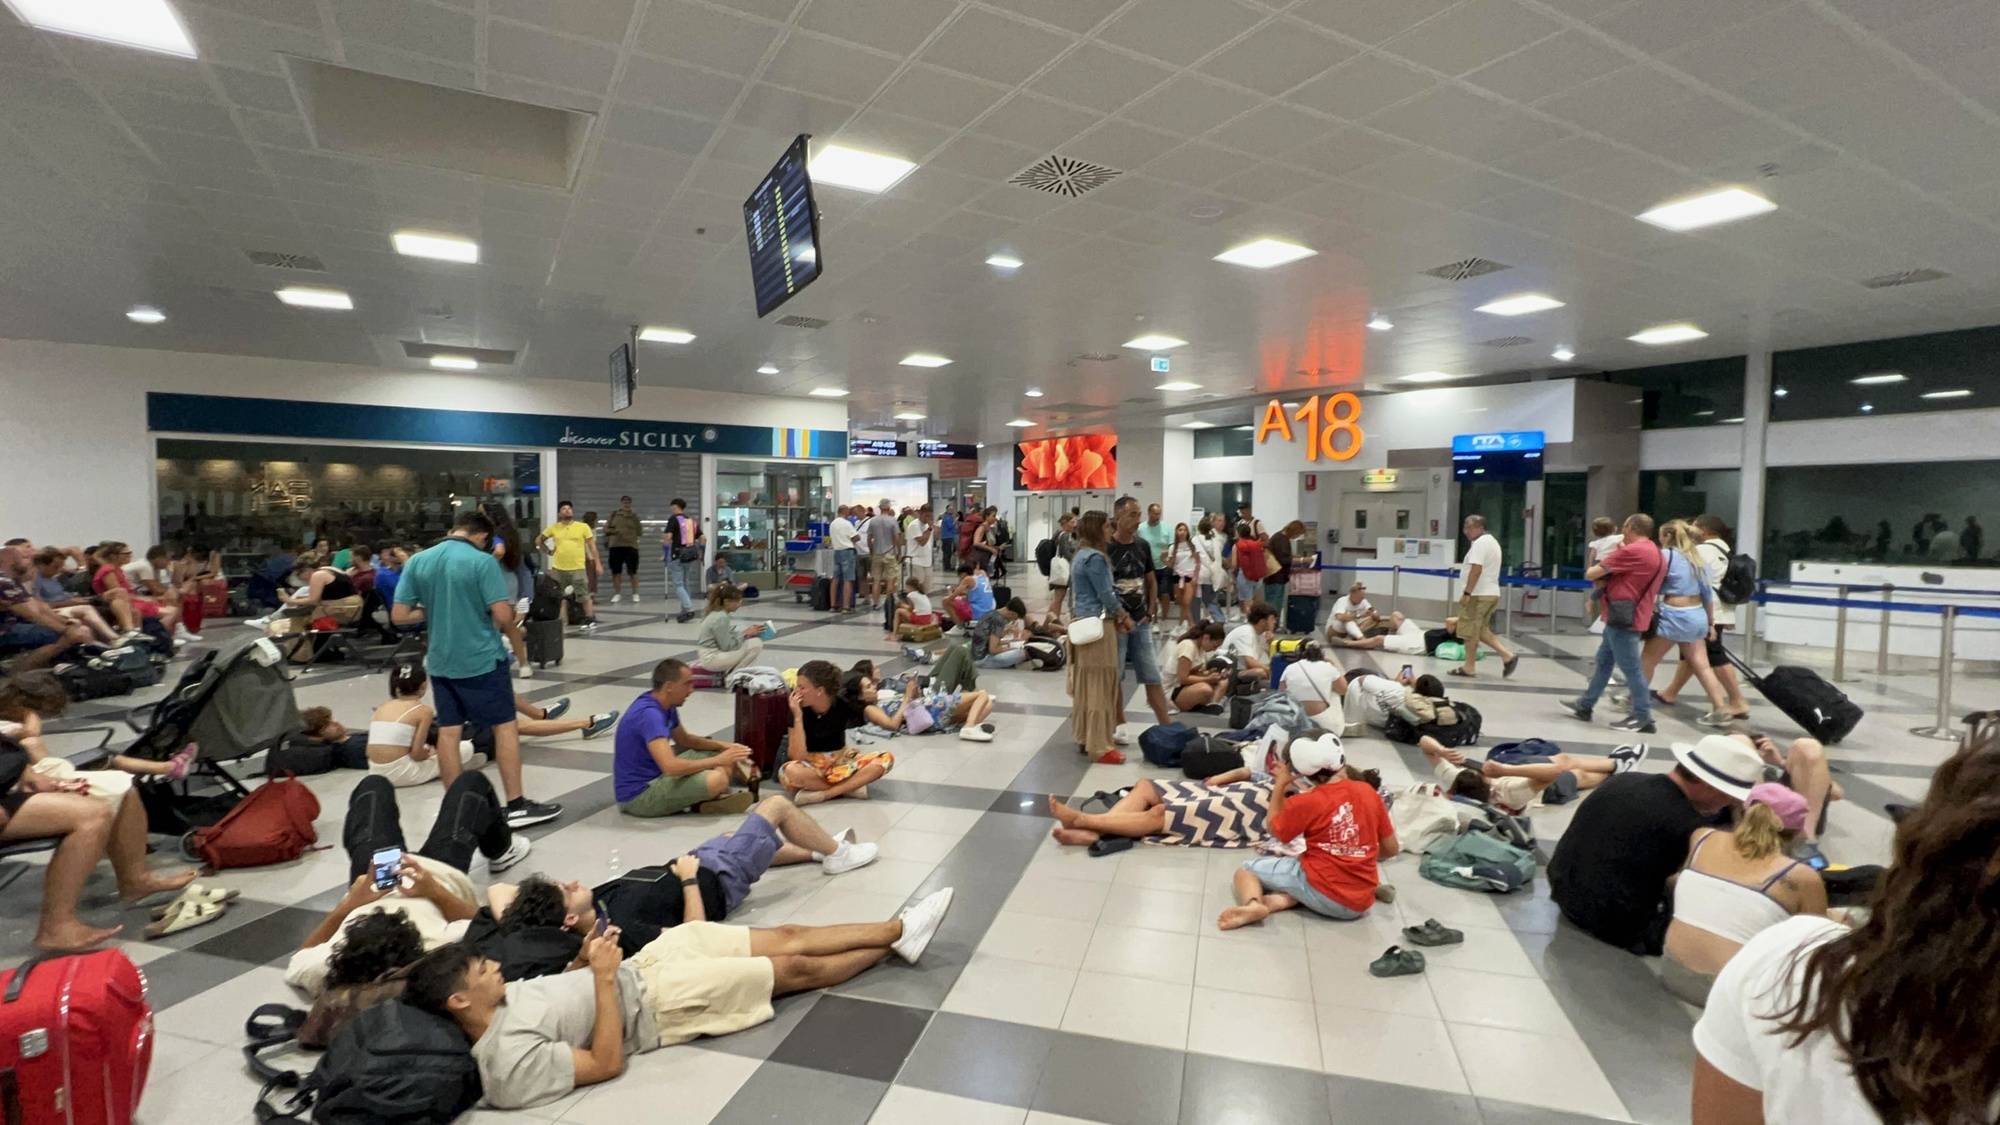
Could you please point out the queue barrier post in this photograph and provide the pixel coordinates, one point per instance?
(1395, 587)
(1882, 641)
(1941, 728)
(1555, 600)
(1840, 637)
(1749, 626)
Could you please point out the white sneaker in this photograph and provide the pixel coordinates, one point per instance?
(920, 925)
(847, 837)
(473, 762)
(181, 633)
(980, 732)
(522, 671)
(805, 797)
(849, 857)
(617, 598)
(517, 851)
(1120, 738)
(257, 623)
(635, 597)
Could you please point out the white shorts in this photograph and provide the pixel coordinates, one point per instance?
(406, 771)
(109, 786)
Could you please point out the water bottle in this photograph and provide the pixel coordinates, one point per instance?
(615, 864)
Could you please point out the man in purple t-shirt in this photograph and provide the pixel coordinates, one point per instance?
(1631, 575)
(659, 767)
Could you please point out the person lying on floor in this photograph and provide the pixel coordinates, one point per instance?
(538, 927)
(402, 742)
(431, 888)
(1346, 831)
(819, 765)
(659, 767)
(30, 698)
(1512, 786)
(536, 1040)
(1368, 699)
(918, 711)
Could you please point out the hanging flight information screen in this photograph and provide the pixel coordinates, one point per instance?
(783, 227)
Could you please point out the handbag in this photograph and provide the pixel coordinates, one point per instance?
(1623, 613)
(1086, 630)
(1058, 571)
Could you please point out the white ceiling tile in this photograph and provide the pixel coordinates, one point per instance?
(995, 47)
(1548, 67)
(283, 130)
(1273, 130)
(1075, 15)
(828, 68)
(1277, 56)
(1035, 122)
(661, 84)
(1619, 99)
(413, 68)
(1120, 144)
(790, 113)
(1878, 14)
(1346, 150)
(939, 95)
(1100, 78)
(1948, 33)
(541, 57)
(896, 26)
(302, 13)
(1263, 183)
(1657, 26)
(1783, 60)
(675, 132)
(985, 157)
(1471, 35)
(1452, 120)
(877, 131)
(604, 20)
(1361, 86)
(1179, 31)
(1195, 164)
(1190, 105)
(257, 91)
(411, 26)
(779, 10)
(677, 29)
(1976, 75)
(1370, 21)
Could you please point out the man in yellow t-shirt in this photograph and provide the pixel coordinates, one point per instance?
(572, 547)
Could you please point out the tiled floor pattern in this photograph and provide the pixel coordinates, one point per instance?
(1062, 988)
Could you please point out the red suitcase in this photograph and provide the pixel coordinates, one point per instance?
(76, 1040)
(215, 597)
(763, 722)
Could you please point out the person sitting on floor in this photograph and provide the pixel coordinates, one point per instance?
(1249, 644)
(1513, 785)
(918, 711)
(1199, 675)
(1612, 867)
(972, 599)
(1737, 883)
(402, 740)
(914, 613)
(1347, 832)
(536, 1040)
(30, 698)
(1802, 768)
(640, 903)
(1313, 682)
(999, 638)
(819, 765)
(1353, 617)
(659, 767)
(725, 644)
(432, 888)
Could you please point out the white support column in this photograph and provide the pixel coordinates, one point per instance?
(1756, 425)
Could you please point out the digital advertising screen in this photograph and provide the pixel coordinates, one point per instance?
(1066, 464)
(1515, 455)
(783, 228)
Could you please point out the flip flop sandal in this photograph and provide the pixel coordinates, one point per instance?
(1432, 932)
(185, 916)
(198, 892)
(1460, 673)
(1104, 797)
(1397, 962)
(1111, 845)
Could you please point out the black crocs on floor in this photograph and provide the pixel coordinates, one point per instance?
(1432, 932)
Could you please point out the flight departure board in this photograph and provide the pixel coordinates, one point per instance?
(783, 228)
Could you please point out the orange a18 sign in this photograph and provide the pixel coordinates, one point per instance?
(1323, 421)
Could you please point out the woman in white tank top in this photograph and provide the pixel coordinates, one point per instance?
(1736, 885)
(397, 747)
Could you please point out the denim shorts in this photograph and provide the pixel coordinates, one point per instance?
(1247, 588)
(487, 699)
(843, 565)
(1136, 648)
(1282, 875)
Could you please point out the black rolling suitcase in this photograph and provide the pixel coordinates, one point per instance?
(545, 642)
(822, 593)
(1806, 698)
(1301, 612)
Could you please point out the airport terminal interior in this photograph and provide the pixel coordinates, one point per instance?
(1336, 392)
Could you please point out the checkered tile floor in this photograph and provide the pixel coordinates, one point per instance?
(1061, 988)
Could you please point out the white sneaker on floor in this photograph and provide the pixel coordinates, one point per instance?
(473, 762)
(847, 837)
(1120, 738)
(257, 623)
(181, 634)
(517, 851)
(978, 732)
(849, 857)
(920, 925)
(805, 797)
(522, 671)
(635, 597)
(617, 599)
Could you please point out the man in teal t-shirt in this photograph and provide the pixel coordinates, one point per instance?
(458, 590)
(1159, 535)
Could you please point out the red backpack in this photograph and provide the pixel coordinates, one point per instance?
(273, 824)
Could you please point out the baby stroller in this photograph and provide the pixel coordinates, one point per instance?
(233, 704)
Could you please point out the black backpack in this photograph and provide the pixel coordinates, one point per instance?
(393, 1063)
(1739, 582)
(1045, 556)
(546, 604)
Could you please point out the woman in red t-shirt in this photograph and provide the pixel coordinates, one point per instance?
(1251, 564)
(1347, 832)
(110, 575)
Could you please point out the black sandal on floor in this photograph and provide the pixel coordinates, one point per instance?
(1432, 932)
(1460, 673)
(1111, 845)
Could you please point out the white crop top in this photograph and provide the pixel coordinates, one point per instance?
(1734, 911)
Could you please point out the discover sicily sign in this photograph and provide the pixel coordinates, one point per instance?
(330, 421)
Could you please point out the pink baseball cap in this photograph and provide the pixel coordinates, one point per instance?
(1790, 807)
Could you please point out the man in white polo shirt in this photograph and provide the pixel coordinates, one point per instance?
(1480, 600)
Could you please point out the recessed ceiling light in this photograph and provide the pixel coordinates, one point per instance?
(1381, 323)
(1020, 423)
(1704, 413)
(455, 362)
(1289, 405)
(1154, 342)
(924, 359)
(1946, 394)
(1867, 407)
(1004, 262)
(1182, 386)
(1779, 392)
(828, 392)
(1430, 377)
(145, 314)
(1244, 428)
(1197, 425)
(767, 369)
(656, 335)
(1521, 304)
(150, 25)
(1659, 334)
(979, 445)
(1562, 355)
(1265, 253)
(1727, 421)
(1033, 392)
(852, 168)
(310, 297)
(910, 416)
(1708, 209)
(1879, 378)
(443, 247)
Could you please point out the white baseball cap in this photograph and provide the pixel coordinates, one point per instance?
(1311, 756)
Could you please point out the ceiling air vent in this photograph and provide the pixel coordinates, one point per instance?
(1466, 269)
(803, 322)
(491, 357)
(1903, 277)
(1060, 175)
(1506, 342)
(1095, 357)
(281, 260)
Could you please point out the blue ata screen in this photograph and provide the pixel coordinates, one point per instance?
(782, 225)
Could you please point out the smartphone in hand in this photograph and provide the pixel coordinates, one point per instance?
(1407, 672)
(386, 866)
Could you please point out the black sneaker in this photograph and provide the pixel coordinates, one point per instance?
(1569, 707)
(1635, 725)
(522, 813)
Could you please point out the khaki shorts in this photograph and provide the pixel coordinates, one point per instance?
(1475, 616)
(569, 578)
(664, 796)
(700, 979)
(884, 566)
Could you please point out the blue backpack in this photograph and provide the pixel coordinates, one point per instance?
(1526, 750)
(1164, 744)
